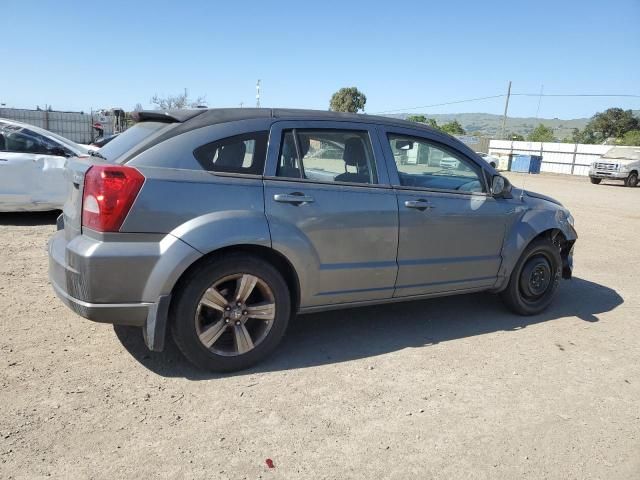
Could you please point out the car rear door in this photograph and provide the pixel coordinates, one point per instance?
(335, 220)
(451, 230)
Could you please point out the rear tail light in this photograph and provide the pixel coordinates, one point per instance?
(109, 192)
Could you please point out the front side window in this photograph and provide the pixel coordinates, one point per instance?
(240, 154)
(327, 156)
(425, 164)
(22, 140)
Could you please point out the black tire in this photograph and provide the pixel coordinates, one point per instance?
(189, 293)
(524, 296)
(632, 180)
(595, 181)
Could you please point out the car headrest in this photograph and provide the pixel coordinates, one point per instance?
(354, 154)
(232, 155)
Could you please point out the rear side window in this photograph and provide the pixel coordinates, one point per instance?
(239, 154)
(327, 156)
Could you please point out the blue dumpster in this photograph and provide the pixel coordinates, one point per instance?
(526, 163)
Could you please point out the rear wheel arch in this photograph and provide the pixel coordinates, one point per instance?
(276, 259)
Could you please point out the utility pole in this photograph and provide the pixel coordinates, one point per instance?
(506, 107)
(241, 104)
(539, 100)
(258, 94)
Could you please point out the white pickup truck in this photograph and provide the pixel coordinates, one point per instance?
(619, 163)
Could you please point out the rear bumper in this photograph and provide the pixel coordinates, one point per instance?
(134, 314)
(125, 282)
(66, 281)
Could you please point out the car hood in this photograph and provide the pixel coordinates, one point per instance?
(541, 197)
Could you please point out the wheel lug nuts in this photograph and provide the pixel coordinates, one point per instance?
(227, 308)
(238, 323)
(226, 320)
(245, 313)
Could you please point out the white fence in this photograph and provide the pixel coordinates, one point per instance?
(568, 158)
(75, 126)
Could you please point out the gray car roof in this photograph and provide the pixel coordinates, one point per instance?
(196, 118)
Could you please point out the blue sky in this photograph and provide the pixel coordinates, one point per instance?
(82, 55)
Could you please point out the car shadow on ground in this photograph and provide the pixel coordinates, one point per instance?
(343, 335)
(29, 219)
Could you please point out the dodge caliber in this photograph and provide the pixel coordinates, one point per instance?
(219, 226)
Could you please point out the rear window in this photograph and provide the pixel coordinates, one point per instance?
(130, 138)
(239, 154)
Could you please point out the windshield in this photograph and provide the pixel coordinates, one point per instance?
(130, 138)
(623, 153)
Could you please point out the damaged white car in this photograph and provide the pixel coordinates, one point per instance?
(32, 164)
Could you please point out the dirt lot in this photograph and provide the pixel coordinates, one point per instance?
(449, 388)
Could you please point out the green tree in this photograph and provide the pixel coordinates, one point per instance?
(432, 123)
(348, 100)
(613, 122)
(417, 118)
(453, 128)
(632, 137)
(541, 133)
(516, 137)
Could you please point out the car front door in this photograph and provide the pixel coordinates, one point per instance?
(31, 170)
(451, 229)
(332, 211)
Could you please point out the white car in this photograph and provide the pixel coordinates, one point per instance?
(32, 167)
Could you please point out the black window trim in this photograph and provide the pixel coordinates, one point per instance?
(294, 131)
(457, 153)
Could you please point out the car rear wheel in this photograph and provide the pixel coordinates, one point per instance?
(595, 181)
(632, 180)
(230, 313)
(534, 279)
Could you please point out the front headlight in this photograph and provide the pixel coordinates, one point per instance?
(570, 220)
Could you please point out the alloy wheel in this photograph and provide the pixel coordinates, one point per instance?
(235, 314)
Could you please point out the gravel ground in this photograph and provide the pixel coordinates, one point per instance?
(450, 388)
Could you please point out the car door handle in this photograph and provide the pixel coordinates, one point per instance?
(3, 160)
(418, 204)
(296, 198)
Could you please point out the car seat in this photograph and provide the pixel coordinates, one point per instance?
(354, 156)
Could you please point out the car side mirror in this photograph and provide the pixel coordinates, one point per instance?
(404, 145)
(500, 187)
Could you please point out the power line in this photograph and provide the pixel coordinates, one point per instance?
(622, 95)
(440, 104)
(627, 95)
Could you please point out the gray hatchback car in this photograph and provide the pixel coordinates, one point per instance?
(220, 225)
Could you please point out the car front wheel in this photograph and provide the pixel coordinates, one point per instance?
(230, 313)
(534, 279)
(595, 181)
(632, 180)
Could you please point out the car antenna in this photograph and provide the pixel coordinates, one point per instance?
(524, 182)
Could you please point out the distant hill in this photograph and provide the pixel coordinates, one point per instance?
(489, 125)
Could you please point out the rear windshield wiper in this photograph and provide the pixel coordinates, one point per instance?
(95, 153)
